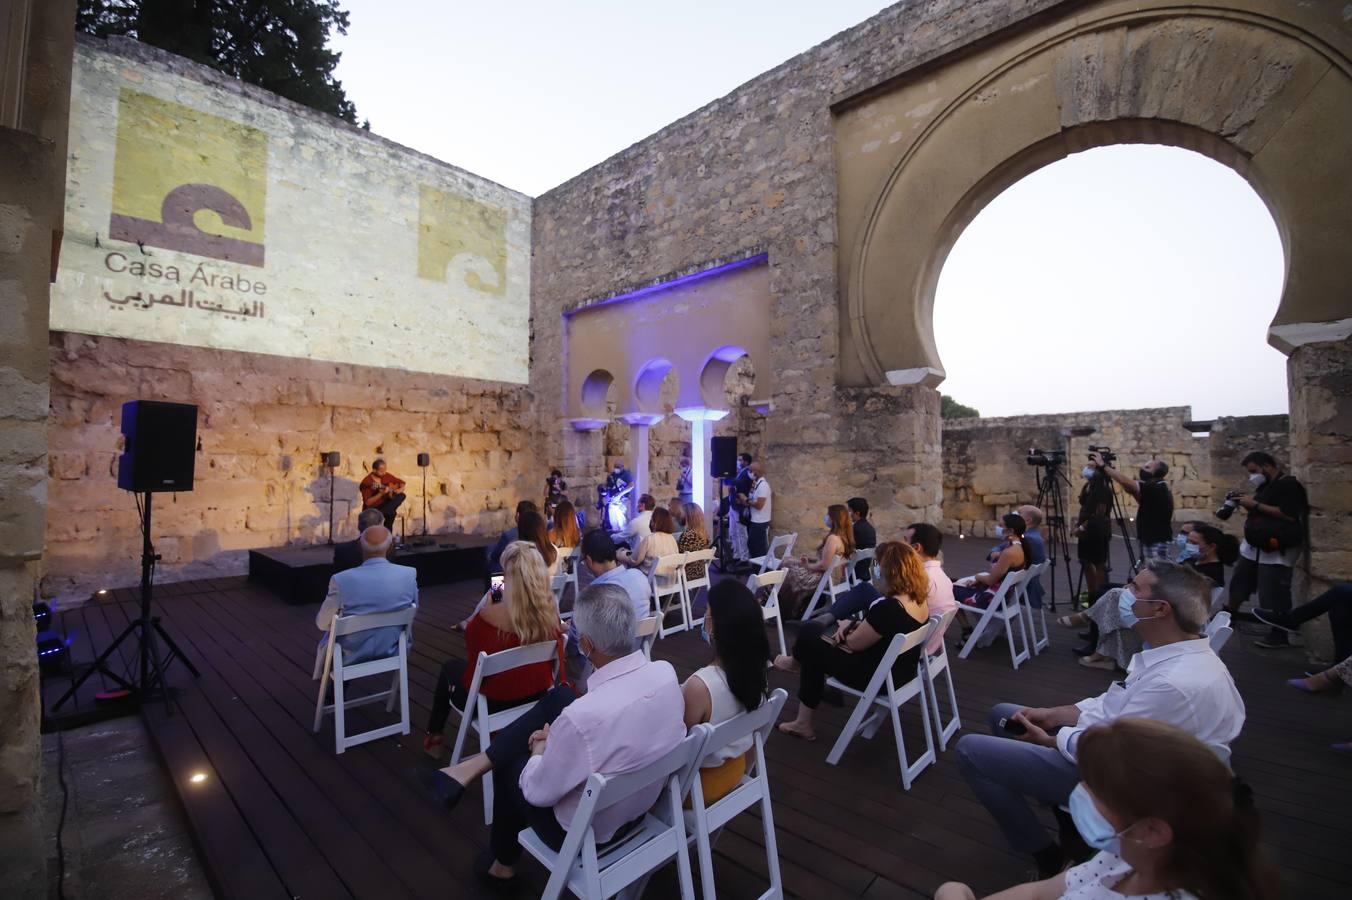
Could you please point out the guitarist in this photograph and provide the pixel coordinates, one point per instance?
(382, 491)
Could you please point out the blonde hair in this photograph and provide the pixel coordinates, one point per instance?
(694, 522)
(532, 614)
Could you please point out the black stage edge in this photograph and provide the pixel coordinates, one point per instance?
(301, 574)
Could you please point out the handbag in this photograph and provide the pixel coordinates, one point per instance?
(1270, 533)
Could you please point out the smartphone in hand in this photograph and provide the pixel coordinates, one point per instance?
(495, 587)
(1013, 726)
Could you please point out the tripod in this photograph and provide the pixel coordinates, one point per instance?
(1120, 518)
(1052, 500)
(725, 560)
(152, 664)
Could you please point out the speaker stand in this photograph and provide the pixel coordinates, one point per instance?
(330, 468)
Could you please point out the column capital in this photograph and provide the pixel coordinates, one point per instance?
(641, 418)
(702, 414)
(588, 424)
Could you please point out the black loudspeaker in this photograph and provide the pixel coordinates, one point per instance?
(723, 457)
(331, 459)
(424, 460)
(161, 446)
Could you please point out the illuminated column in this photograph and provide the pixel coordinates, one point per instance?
(639, 423)
(701, 430)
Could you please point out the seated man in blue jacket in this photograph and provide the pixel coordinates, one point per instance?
(376, 586)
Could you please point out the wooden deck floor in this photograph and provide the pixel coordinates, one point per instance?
(280, 815)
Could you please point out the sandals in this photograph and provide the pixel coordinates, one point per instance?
(787, 728)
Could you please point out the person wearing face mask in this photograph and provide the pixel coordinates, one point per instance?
(1274, 534)
(977, 591)
(735, 682)
(1209, 551)
(852, 651)
(804, 573)
(1155, 502)
(1031, 752)
(1169, 819)
(1093, 527)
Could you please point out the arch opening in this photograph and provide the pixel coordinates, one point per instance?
(656, 380)
(595, 399)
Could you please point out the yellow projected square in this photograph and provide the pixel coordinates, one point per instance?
(186, 180)
(457, 231)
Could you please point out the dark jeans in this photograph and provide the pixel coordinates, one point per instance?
(854, 601)
(757, 538)
(388, 508)
(1274, 590)
(1337, 603)
(509, 753)
(450, 690)
(820, 659)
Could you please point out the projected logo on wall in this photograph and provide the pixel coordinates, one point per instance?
(461, 238)
(188, 181)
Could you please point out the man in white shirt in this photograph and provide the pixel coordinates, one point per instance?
(640, 526)
(1178, 681)
(759, 502)
(632, 715)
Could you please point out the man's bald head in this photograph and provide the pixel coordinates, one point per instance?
(375, 541)
(1031, 514)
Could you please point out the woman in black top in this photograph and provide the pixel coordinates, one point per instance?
(852, 651)
(1215, 551)
(1094, 528)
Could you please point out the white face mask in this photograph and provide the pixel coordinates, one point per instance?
(1258, 479)
(999, 531)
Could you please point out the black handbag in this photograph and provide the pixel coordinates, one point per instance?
(1270, 533)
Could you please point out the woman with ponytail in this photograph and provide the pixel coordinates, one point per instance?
(1169, 819)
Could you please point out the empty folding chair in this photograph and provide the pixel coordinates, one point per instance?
(334, 670)
(936, 664)
(667, 584)
(558, 584)
(476, 717)
(1218, 631)
(883, 693)
(705, 823)
(1003, 607)
(780, 548)
(1217, 600)
(646, 633)
(588, 872)
(691, 586)
(826, 593)
(774, 580)
(1034, 617)
(858, 556)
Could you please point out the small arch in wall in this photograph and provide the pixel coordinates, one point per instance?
(713, 377)
(595, 388)
(648, 386)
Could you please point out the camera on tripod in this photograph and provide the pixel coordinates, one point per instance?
(1227, 509)
(1106, 453)
(1048, 458)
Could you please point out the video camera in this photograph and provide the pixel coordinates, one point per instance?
(1227, 509)
(1048, 458)
(1109, 457)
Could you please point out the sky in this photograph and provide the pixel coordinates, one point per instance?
(1144, 276)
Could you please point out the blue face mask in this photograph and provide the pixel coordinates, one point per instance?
(1096, 830)
(1125, 601)
(1188, 551)
(877, 574)
(999, 531)
(704, 630)
(827, 520)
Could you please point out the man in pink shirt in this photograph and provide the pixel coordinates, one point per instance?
(928, 540)
(631, 715)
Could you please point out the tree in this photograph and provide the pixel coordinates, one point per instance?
(952, 409)
(279, 45)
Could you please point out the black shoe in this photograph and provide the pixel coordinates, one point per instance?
(1274, 619)
(1274, 641)
(443, 788)
(1086, 650)
(1084, 635)
(482, 863)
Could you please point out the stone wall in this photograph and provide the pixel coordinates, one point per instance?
(1320, 375)
(986, 471)
(263, 423)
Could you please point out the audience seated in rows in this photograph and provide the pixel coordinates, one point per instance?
(631, 715)
(865, 537)
(526, 614)
(376, 586)
(347, 555)
(511, 534)
(852, 651)
(599, 557)
(1012, 554)
(564, 533)
(659, 542)
(1178, 681)
(532, 528)
(639, 527)
(695, 537)
(1167, 817)
(804, 574)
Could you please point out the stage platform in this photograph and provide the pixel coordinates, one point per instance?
(301, 574)
(280, 815)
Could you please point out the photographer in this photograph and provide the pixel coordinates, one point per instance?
(1154, 518)
(1273, 537)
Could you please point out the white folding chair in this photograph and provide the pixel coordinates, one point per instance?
(827, 590)
(691, 586)
(1218, 631)
(774, 580)
(1005, 609)
(890, 704)
(667, 583)
(780, 548)
(855, 559)
(333, 670)
(572, 558)
(705, 823)
(646, 632)
(476, 717)
(1217, 600)
(558, 584)
(1034, 616)
(936, 664)
(626, 864)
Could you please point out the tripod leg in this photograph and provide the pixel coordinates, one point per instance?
(100, 664)
(174, 651)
